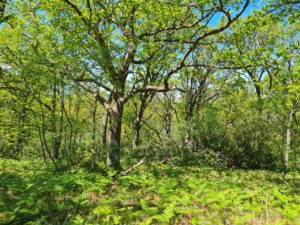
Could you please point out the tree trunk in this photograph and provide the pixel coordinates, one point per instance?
(94, 155)
(139, 112)
(168, 115)
(145, 99)
(55, 150)
(114, 148)
(136, 135)
(188, 117)
(188, 139)
(61, 116)
(104, 128)
(21, 132)
(57, 126)
(288, 140)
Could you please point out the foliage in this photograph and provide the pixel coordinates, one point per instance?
(153, 194)
(183, 93)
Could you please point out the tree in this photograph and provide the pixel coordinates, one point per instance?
(139, 109)
(268, 50)
(254, 39)
(112, 38)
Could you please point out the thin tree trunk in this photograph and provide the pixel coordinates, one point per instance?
(94, 124)
(61, 117)
(139, 112)
(188, 117)
(104, 128)
(145, 98)
(21, 132)
(188, 139)
(41, 141)
(168, 122)
(288, 140)
(43, 129)
(55, 150)
(136, 135)
(95, 149)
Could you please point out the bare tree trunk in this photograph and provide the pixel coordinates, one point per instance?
(188, 142)
(61, 115)
(136, 134)
(55, 150)
(145, 98)
(21, 132)
(137, 124)
(114, 148)
(94, 125)
(61, 118)
(41, 141)
(188, 117)
(95, 147)
(104, 128)
(43, 136)
(169, 114)
(57, 126)
(288, 140)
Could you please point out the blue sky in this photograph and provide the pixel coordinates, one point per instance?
(252, 6)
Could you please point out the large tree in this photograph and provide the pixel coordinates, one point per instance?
(107, 45)
(115, 40)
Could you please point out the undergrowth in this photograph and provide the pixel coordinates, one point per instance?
(151, 194)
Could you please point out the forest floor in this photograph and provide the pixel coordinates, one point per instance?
(151, 194)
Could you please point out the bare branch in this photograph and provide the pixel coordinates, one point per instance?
(134, 166)
(151, 88)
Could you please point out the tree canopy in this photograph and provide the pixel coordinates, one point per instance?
(206, 76)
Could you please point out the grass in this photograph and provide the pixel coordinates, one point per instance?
(152, 194)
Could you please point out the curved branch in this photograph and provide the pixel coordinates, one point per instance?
(206, 34)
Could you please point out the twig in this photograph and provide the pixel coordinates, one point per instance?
(134, 166)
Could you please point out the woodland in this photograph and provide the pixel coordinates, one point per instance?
(149, 112)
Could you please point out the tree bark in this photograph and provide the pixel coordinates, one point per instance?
(104, 128)
(21, 132)
(145, 98)
(188, 117)
(188, 142)
(61, 116)
(136, 135)
(95, 147)
(57, 125)
(114, 148)
(55, 150)
(168, 114)
(288, 140)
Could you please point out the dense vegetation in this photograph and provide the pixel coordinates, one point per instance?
(153, 194)
(149, 111)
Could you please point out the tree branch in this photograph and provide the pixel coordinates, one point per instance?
(206, 34)
(95, 92)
